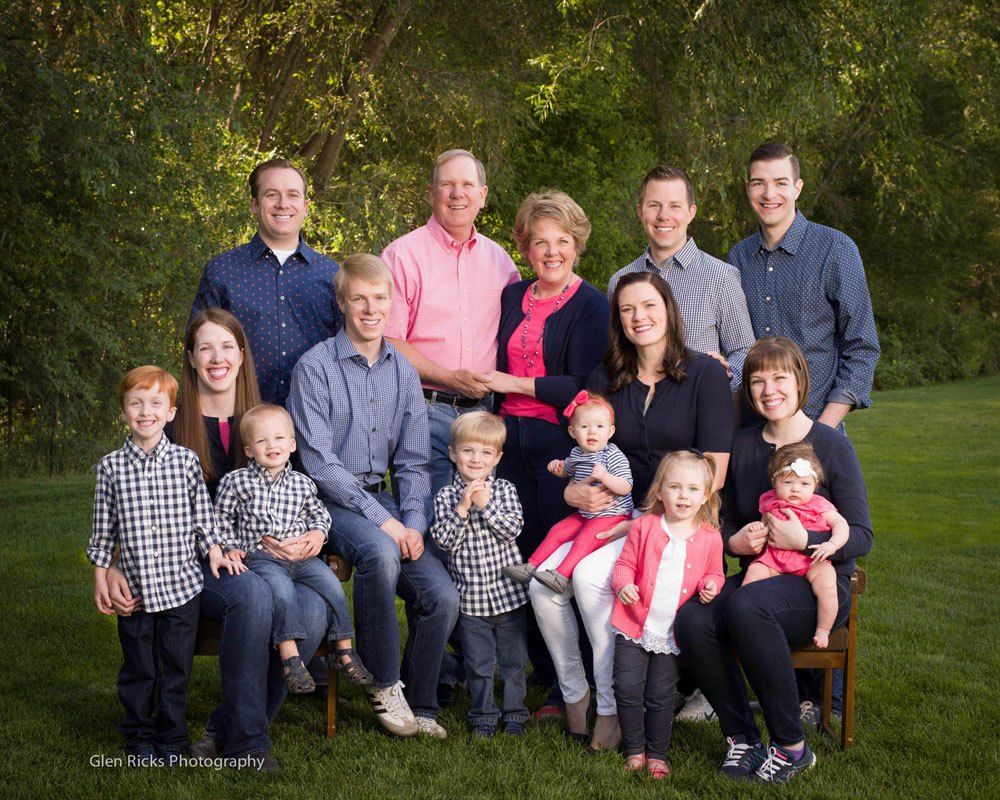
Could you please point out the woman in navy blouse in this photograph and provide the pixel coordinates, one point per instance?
(665, 398)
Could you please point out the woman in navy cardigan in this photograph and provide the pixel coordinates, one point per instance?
(553, 333)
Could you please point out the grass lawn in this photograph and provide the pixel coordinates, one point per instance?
(928, 673)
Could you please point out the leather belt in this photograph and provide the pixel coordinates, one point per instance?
(449, 399)
(375, 488)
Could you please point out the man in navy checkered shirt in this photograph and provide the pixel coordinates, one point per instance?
(476, 521)
(151, 505)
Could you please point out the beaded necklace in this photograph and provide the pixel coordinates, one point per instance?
(527, 318)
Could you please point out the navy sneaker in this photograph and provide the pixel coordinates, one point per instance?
(779, 766)
(742, 759)
(484, 731)
(514, 727)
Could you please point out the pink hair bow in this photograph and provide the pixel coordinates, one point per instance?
(583, 396)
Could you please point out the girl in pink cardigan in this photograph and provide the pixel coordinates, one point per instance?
(672, 553)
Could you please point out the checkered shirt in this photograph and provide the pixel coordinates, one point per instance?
(154, 508)
(480, 546)
(250, 506)
(579, 465)
(711, 301)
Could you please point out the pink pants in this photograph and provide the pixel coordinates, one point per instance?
(581, 529)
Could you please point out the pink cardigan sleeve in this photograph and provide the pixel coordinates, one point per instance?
(627, 564)
(714, 566)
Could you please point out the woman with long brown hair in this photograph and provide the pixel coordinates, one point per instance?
(665, 398)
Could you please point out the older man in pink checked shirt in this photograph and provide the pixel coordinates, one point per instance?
(446, 304)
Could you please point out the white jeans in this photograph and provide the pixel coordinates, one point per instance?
(594, 597)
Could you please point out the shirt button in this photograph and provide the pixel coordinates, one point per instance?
(768, 298)
(767, 328)
(770, 269)
(283, 325)
(284, 353)
(281, 272)
(282, 297)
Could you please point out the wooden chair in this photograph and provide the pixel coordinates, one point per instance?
(210, 631)
(841, 654)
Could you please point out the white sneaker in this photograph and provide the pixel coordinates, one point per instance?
(430, 728)
(696, 709)
(392, 710)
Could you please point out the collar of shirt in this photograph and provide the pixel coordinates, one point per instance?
(263, 474)
(344, 350)
(445, 239)
(792, 239)
(259, 247)
(681, 259)
(139, 456)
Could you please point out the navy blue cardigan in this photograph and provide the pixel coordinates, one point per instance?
(575, 339)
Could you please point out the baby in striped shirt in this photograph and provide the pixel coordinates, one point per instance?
(594, 460)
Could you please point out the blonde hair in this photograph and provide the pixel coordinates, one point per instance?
(709, 512)
(556, 206)
(481, 427)
(258, 413)
(146, 377)
(365, 267)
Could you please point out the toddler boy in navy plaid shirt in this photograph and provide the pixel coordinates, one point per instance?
(476, 520)
(263, 510)
(151, 504)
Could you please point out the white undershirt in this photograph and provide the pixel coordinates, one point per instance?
(282, 255)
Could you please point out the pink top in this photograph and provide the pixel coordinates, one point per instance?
(224, 434)
(640, 562)
(446, 301)
(810, 513)
(522, 361)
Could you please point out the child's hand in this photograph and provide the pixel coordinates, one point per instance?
(629, 594)
(481, 496)
(557, 467)
(822, 551)
(102, 594)
(709, 592)
(236, 555)
(216, 561)
(599, 472)
(465, 503)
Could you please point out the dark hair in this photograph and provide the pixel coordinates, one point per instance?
(189, 427)
(621, 361)
(784, 456)
(779, 353)
(275, 163)
(661, 172)
(774, 151)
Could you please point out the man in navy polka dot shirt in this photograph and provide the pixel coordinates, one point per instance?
(806, 281)
(278, 287)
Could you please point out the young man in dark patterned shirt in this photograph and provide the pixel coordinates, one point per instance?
(151, 505)
(476, 520)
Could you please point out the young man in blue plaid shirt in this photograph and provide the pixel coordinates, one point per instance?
(476, 520)
(151, 505)
(268, 498)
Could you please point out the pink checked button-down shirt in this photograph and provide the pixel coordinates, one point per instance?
(447, 297)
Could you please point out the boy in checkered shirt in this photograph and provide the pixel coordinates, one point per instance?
(151, 505)
(267, 512)
(476, 520)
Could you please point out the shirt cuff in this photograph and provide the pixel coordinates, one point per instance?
(845, 396)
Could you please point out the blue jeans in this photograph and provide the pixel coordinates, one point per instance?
(500, 641)
(253, 687)
(157, 652)
(759, 621)
(440, 416)
(430, 598)
(644, 694)
(282, 576)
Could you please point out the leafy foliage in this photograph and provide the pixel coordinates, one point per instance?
(128, 130)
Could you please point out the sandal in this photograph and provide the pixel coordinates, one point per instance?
(657, 769)
(634, 763)
(354, 671)
(297, 677)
